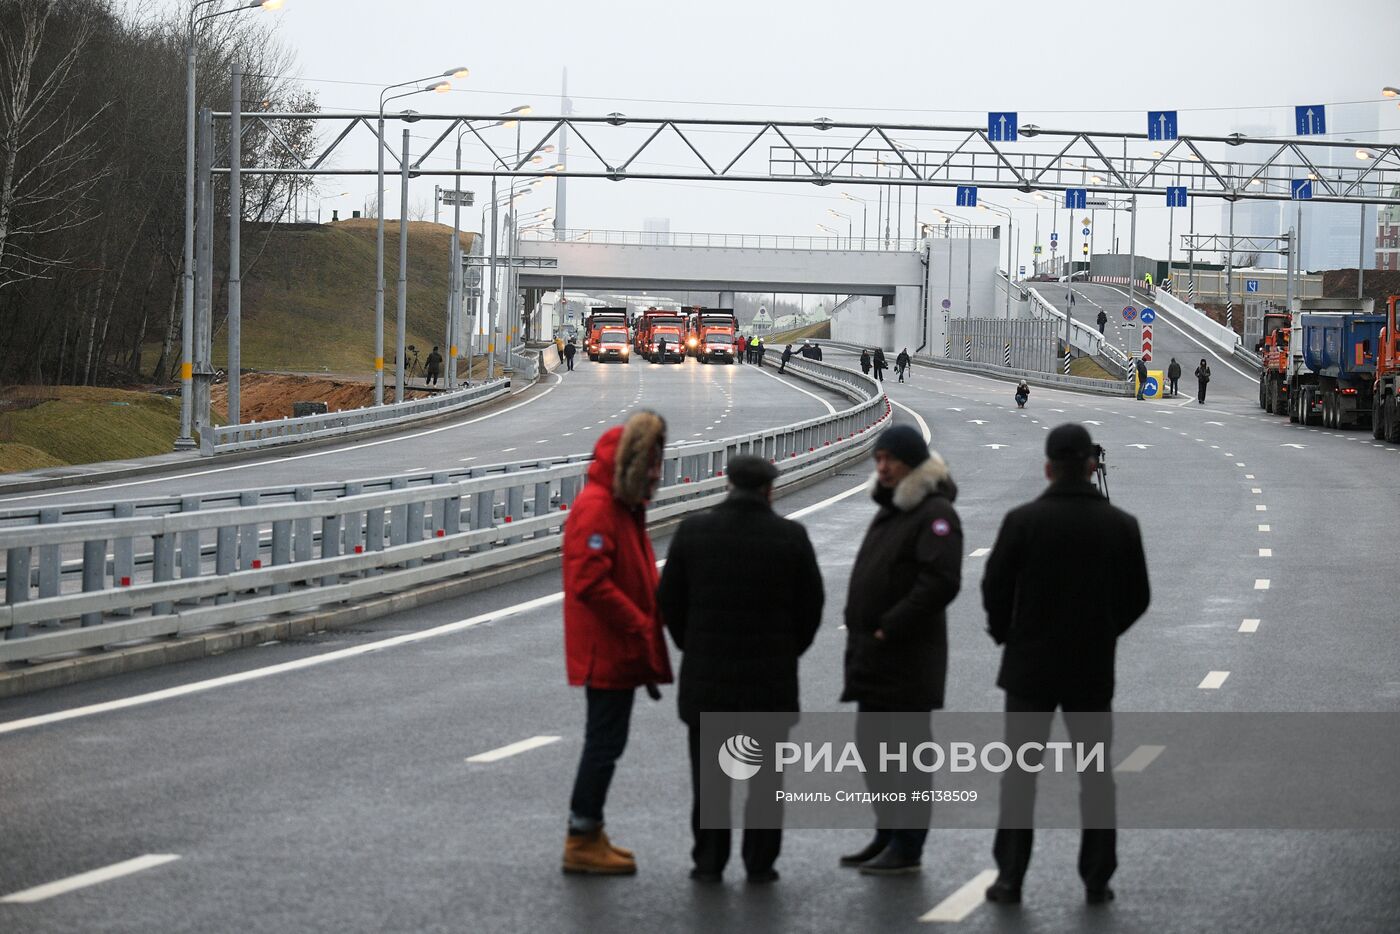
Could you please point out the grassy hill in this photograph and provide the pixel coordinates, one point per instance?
(308, 295)
(819, 331)
(47, 426)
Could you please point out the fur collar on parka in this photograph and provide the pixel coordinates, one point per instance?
(930, 477)
(641, 435)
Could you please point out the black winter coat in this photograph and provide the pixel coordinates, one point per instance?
(1174, 371)
(908, 569)
(741, 595)
(1061, 633)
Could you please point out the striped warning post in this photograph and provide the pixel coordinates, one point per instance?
(1147, 343)
(1230, 313)
(947, 342)
(1068, 357)
(1191, 290)
(1006, 355)
(967, 348)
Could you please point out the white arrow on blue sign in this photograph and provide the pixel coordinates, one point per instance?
(1311, 119)
(967, 196)
(1001, 126)
(1054, 236)
(1302, 189)
(1085, 231)
(1076, 198)
(1176, 196)
(1251, 285)
(1161, 124)
(1147, 315)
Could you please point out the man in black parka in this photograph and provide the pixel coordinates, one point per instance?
(907, 571)
(1060, 639)
(739, 655)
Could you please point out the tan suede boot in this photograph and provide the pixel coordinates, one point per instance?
(619, 850)
(590, 853)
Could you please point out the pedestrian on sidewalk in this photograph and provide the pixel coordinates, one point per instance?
(1102, 319)
(907, 570)
(879, 364)
(739, 656)
(901, 364)
(613, 642)
(1059, 645)
(1173, 376)
(433, 366)
(865, 362)
(1202, 378)
(569, 351)
(1140, 368)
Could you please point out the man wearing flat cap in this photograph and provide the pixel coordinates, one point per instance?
(742, 597)
(1059, 639)
(907, 571)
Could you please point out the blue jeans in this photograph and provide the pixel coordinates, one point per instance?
(604, 738)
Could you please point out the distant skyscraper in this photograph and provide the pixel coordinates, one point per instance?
(1336, 236)
(1388, 235)
(1254, 218)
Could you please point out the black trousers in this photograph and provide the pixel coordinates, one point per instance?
(604, 739)
(710, 852)
(1174, 381)
(569, 361)
(1201, 390)
(1098, 848)
(871, 731)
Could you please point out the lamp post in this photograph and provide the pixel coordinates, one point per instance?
(850, 224)
(321, 201)
(864, 213)
(440, 84)
(996, 209)
(186, 438)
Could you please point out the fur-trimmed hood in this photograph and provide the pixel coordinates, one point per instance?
(622, 455)
(929, 478)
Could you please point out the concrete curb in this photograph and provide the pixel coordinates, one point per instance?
(20, 681)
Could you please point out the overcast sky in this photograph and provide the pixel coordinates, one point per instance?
(1090, 65)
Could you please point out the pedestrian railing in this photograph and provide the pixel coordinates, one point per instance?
(167, 567)
(255, 435)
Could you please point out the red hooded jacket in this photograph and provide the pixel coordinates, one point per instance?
(612, 633)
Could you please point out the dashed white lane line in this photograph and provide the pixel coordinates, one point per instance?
(93, 877)
(1261, 584)
(507, 450)
(1213, 680)
(1266, 528)
(964, 901)
(465, 459)
(1261, 508)
(1255, 489)
(1249, 476)
(513, 749)
(1249, 625)
(1139, 759)
(980, 552)
(1266, 552)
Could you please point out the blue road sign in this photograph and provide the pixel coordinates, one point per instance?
(1129, 313)
(1161, 124)
(1311, 119)
(1147, 315)
(1001, 126)
(1302, 189)
(1176, 196)
(1076, 198)
(1251, 285)
(1054, 236)
(967, 196)
(1085, 231)
(1023, 270)
(947, 303)
(1149, 388)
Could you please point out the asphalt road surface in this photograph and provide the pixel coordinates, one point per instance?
(334, 793)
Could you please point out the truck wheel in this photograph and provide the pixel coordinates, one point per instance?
(1392, 421)
(1263, 393)
(1276, 400)
(1293, 406)
(1378, 418)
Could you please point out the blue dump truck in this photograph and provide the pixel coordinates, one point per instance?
(1339, 348)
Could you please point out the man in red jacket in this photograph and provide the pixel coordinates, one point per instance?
(613, 639)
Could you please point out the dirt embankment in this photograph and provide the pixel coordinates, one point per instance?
(265, 396)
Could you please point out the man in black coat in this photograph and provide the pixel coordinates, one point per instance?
(1173, 376)
(907, 571)
(739, 655)
(1102, 319)
(569, 351)
(1060, 641)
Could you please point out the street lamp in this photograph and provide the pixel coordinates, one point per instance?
(440, 85)
(995, 209)
(321, 201)
(850, 224)
(186, 438)
(864, 210)
(1390, 92)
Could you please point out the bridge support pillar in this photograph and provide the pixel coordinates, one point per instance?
(726, 300)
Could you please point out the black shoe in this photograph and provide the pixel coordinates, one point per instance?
(1004, 893)
(705, 875)
(891, 863)
(1098, 896)
(873, 849)
(761, 876)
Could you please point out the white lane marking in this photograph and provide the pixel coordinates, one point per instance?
(507, 450)
(979, 552)
(1213, 680)
(1266, 552)
(568, 434)
(1249, 476)
(923, 425)
(1255, 489)
(1261, 508)
(964, 901)
(1239, 464)
(1261, 584)
(1139, 759)
(165, 478)
(829, 407)
(1265, 528)
(1249, 625)
(94, 877)
(465, 459)
(513, 749)
(542, 441)
(808, 510)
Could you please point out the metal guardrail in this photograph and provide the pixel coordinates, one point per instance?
(1083, 337)
(254, 435)
(153, 570)
(736, 241)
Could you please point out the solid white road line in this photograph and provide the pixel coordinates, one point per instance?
(1139, 759)
(979, 552)
(964, 901)
(1213, 680)
(84, 879)
(1249, 625)
(923, 425)
(513, 749)
(166, 478)
(829, 407)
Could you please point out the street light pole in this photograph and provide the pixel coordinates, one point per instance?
(401, 318)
